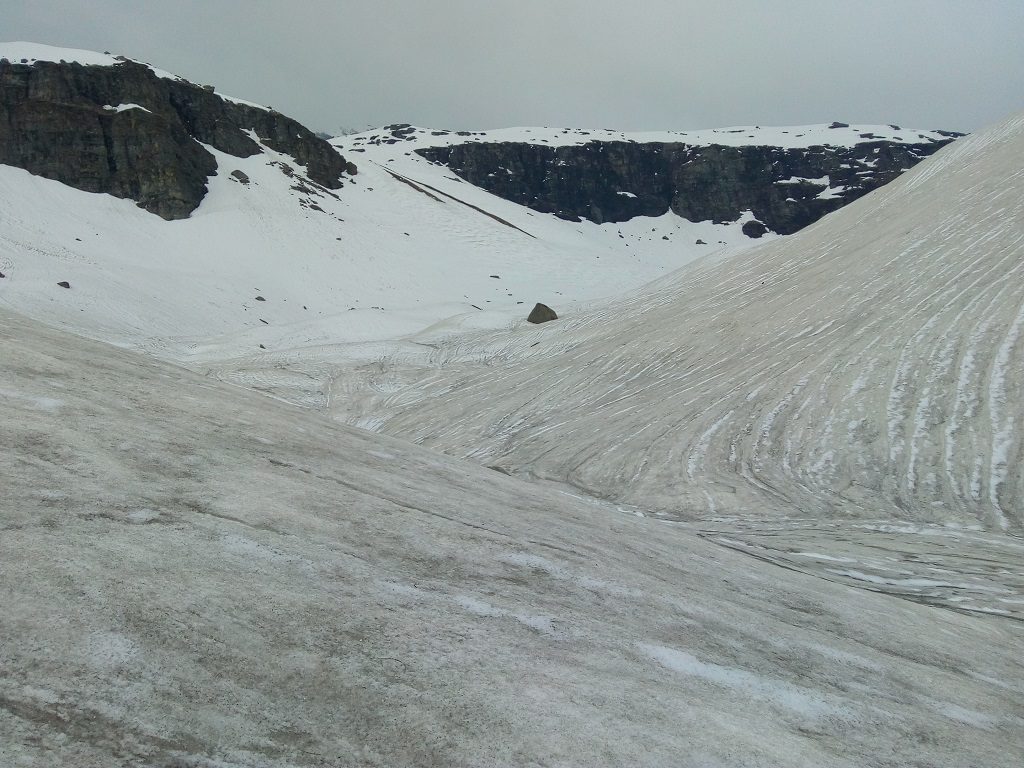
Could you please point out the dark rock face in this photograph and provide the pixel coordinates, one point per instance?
(55, 122)
(754, 229)
(608, 181)
(541, 313)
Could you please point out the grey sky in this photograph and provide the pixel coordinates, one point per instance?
(647, 64)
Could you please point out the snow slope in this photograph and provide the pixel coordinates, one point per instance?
(197, 575)
(382, 258)
(785, 137)
(342, 276)
(845, 402)
(404, 246)
(869, 365)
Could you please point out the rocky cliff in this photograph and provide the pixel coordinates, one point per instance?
(127, 131)
(610, 181)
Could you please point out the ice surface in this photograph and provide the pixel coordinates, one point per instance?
(229, 580)
(800, 700)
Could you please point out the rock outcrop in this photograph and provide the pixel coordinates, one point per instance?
(125, 131)
(611, 181)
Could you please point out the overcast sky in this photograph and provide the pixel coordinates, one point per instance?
(646, 64)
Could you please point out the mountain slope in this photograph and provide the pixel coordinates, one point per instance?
(272, 259)
(869, 366)
(196, 575)
(274, 263)
(107, 124)
(787, 178)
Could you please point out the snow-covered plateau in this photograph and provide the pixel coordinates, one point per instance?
(743, 504)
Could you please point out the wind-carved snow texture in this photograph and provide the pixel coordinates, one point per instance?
(196, 575)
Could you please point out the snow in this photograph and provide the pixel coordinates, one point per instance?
(820, 556)
(391, 261)
(875, 579)
(124, 107)
(379, 263)
(786, 137)
(287, 591)
(36, 402)
(31, 53)
(793, 697)
(726, 534)
(822, 181)
(1005, 426)
(864, 369)
(861, 335)
(831, 193)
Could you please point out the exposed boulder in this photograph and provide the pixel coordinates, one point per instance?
(541, 313)
(64, 284)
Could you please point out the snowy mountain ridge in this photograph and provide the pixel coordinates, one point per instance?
(834, 134)
(23, 52)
